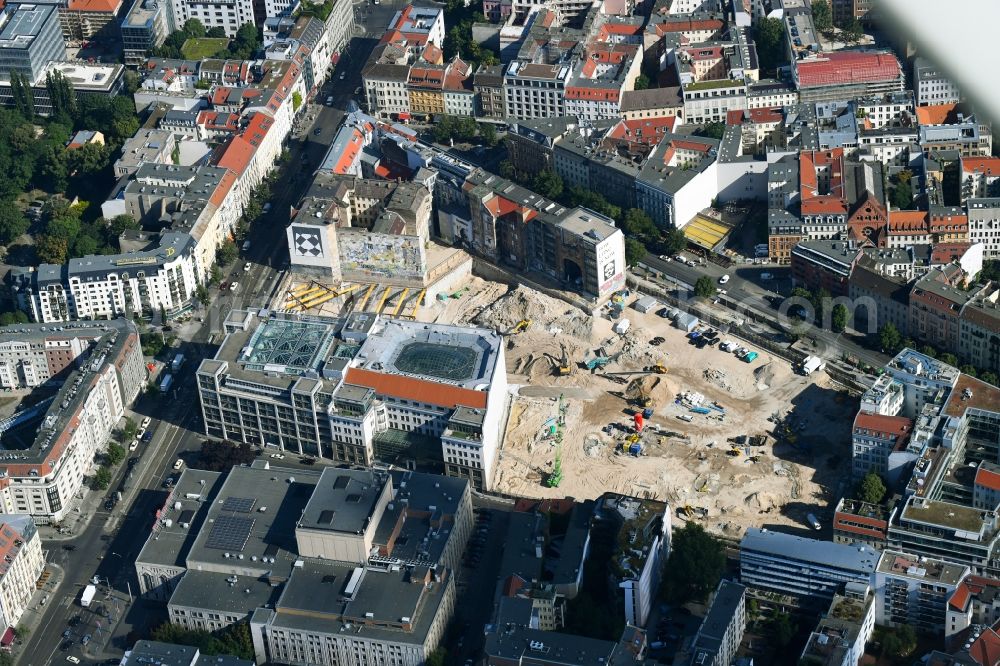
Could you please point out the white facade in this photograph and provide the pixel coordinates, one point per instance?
(984, 225)
(911, 590)
(706, 104)
(640, 593)
(386, 95)
(226, 14)
(535, 91)
(932, 86)
(459, 102)
(678, 208)
(21, 548)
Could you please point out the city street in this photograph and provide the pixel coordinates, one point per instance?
(109, 545)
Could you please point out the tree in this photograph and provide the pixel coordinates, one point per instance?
(221, 456)
(130, 429)
(641, 82)
(697, 562)
(969, 370)
(296, 100)
(769, 37)
(119, 224)
(548, 184)
(704, 287)
(674, 240)
(437, 657)
(712, 130)
(12, 222)
(102, 479)
(634, 251)
(233, 640)
(890, 340)
(227, 253)
(202, 295)
(949, 358)
(116, 454)
(871, 489)
(838, 318)
(853, 32)
(638, 223)
(51, 249)
(927, 350)
(194, 28)
(899, 642)
(782, 629)
(488, 134)
(13, 317)
(216, 32)
(822, 16)
(901, 194)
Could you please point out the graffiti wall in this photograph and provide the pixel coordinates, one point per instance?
(366, 256)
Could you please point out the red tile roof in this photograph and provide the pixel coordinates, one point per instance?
(945, 253)
(936, 114)
(989, 166)
(971, 586)
(846, 67)
(418, 390)
(884, 426)
(985, 651)
(105, 6)
(908, 221)
(237, 155)
(222, 189)
(648, 131)
(987, 479)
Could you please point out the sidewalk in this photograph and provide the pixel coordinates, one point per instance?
(77, 520)
(33, 612)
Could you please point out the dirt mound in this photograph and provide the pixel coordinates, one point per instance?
(544, 312)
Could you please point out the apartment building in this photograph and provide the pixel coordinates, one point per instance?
(147, 145)
(600, 78)
(33, 358)
(975, 601)
(914, 591)
(357, 389)
(20, 568)
(846, 10)
(802, 567)
(487, 85)
(944, 127)
(67, 432)
(984, 225)
(925, 380)
(721, 631)
(385, 77)
(844, 630)
(980, 177)
(770, 94)
(932, 86)
(873, 438)
(364, 548)
(226, 14)
(535, 90)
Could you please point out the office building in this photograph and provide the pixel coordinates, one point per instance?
(30, 38)
(801, 567)
(50, 448)
(143, 29)
(146, 653)
(914, 591)
(305, 554)
(514, 643)
(358, 389)
(20, 569)
(721, 631)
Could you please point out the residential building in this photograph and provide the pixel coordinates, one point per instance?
(535, 90)
(425, 84)
(914, 591)
(419, 25)
(844, 630)
(459, 96)
(925, 380)
(171, 654)
(945, 127)
(85, 19)
(602, 159)
(710, 100)
(652, 103)
(984, 225)
(531, 143)
(487, 85)
(873, 438)
(147, 145)
(884, 397)
(936, 304)
(678, 179)
(67, 432)
(226, 14)
(30, 38)
(22, 566)
(600, 78)
(143, 29)
(824, 264)
(986, 486)
(802, 567)
(365, 405)
(979, 331)
(385, 78)
(517, 644)
(932, 86)
(844, 11)
(980, 177)
(845, 74)
(770, 94)
(975, 601)
(721, 631)
(855, 521)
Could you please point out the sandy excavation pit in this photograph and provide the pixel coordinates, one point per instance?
(686, 463)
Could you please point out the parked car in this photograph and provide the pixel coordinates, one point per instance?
(178, 464)
(86, 639)
(234, 286)
(766, 276)
(134, 445)
(73, 660)
(246, 267)
(145, 423)
(67, 633)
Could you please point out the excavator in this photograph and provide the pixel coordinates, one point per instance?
(658, 369)
(561, 366)
(640, 391)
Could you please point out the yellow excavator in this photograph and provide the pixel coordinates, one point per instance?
(521, 326)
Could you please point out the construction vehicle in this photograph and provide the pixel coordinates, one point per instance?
(734, 452)
(555, 478)
(564, 368)
(658, 369)
(520, 326)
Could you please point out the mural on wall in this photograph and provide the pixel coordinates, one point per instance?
(369, 255)
(307, 242)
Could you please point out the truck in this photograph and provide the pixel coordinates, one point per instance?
(166, 383)
(178, 362)
(88, 596)
(811, 364)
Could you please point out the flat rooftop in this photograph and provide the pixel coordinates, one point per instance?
(971, 393)
(168, 544)
(20, 23)
(252, 520)
(222, 592)
(854, 557)
(344, 500)
(924, 568)
(944, 514)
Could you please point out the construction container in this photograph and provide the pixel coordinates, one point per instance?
(686, 322)
(635, 449)
(645, 304)
(622, 326)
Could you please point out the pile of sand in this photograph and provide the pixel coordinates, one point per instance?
(544, 312)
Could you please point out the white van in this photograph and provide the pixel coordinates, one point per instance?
(813, 522)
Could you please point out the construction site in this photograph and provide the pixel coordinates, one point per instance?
(733, 439)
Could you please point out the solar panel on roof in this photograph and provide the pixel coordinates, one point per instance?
(230, 533)
(239, 504)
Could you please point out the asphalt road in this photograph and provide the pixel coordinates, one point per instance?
(108, 547)
(751, 292)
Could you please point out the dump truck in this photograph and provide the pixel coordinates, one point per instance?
(88, 596)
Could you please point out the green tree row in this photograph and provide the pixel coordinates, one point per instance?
(234, 640)
(891, 341)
